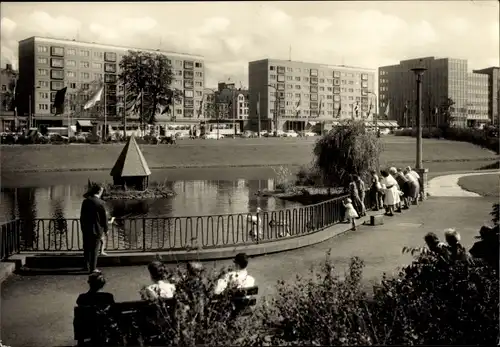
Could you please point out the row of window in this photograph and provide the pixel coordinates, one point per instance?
(112, 110)
(315, 80)
(314, 72)
(313, 113)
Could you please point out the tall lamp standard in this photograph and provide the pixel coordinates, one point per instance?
(419, 71)
(276, 109)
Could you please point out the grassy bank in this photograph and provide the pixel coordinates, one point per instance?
(485, 185)
(224, 153)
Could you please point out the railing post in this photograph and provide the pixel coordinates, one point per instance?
(18, 235)
(144, 234)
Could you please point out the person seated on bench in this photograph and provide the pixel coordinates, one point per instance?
(94, 297)
(238, 278)
(160, 288)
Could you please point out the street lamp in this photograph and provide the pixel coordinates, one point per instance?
(276, 109)
(419, 71)
(375, 114)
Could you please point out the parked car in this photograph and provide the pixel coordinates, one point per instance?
(290, 133)
(181, 136)
(58, 139)
(212, 136)
(248, 134)
(309, 134)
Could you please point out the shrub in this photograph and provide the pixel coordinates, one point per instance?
(283, 175)
(308, 175)
(346, 149)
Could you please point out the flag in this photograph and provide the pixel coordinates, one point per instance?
(340, 109)
(297, 107)
(59, 100)
(94, 99)
(369, 109)
(199, 110)
(386, 112)
(356, 108)
(132, 105)
(167, 106)
(320, 103)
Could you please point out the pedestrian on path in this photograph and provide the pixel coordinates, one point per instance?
(354, 195)
(94, 225)
(375, 191)
(350, 213)
(360, 185)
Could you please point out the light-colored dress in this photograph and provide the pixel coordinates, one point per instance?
(391, 194)
(350, 211)
(161, 289)
(239, 279)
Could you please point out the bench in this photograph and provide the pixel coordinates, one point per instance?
(143, 316)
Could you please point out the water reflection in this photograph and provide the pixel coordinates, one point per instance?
(193, 198)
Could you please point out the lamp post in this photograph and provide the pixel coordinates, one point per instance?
(375, 114)
(276, 109)
(419, 71)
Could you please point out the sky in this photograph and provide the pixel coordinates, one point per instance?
(368, 34)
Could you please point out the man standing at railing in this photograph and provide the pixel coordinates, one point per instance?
(94, 225)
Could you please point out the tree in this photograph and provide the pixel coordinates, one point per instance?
(149, 74)
(8, 100)
(446, 113)
(345, 150)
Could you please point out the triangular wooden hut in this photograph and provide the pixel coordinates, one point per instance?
(131, 169)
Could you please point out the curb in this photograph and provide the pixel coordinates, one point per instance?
(37, 262)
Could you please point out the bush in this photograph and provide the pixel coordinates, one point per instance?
(346, 149)
(283, 175)
(308, 176)
(427, 133)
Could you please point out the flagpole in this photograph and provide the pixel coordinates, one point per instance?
(258, 115)
(105, 114)
(124, 120)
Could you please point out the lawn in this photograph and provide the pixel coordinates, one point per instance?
(398, 151)
(485, 185)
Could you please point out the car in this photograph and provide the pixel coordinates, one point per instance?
(290, 133)
(58, 139)
(212, 136)
(181, 136)
(309, 134)
(248, 134)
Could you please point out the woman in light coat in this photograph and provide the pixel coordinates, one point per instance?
(391, 192)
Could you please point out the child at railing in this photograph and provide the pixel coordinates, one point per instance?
(350, 212)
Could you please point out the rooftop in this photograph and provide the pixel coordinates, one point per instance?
(319, 64)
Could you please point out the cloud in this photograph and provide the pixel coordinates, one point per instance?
(230, 35)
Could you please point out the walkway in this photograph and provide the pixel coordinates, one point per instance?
(447, 186)
(38, 310)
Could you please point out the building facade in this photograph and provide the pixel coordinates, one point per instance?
(47, 65)
(445, 80)
(290, 95)
(493, 74)
(8, 80)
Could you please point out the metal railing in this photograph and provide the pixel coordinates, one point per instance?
(185, 233)
(10, 241)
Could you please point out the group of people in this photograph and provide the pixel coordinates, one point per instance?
(163, 284)
(395, 190)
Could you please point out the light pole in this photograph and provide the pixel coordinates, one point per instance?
(375, 114)
(419, 71)
(276, 109)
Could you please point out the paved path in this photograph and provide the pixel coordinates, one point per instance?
(447, 186)
(38, 310)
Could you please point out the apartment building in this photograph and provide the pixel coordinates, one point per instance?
(445, 78)
(47, 65)
(493, 74)
(296, 94)
(8, 79)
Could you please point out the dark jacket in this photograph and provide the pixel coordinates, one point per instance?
(99, 299)
(93, 217)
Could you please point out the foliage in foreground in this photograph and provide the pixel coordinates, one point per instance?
(345, 150)
(432, 301)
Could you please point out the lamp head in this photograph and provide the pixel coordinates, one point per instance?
(419, 70)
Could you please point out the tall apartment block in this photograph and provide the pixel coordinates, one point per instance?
(47, 65)
(321, 89)
(445, 78)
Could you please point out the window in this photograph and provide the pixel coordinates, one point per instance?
(52, 96)
(289, 69)
(188, 94)
(57, 51)
(188, 74)
(98, 55)
(297, 79)
(321, 80)
(110, 56)
(110, 67)
(41, 95)
(188, 64)
(56, 62)
(314, 89)
(42, 61)
(364, 93)
(336, 90)
(198, 84)
(364, 84)
(336, 82)
(96, 66)
(289, 95)
(314, 97)
(199, 93)
(85, 86)
(351, 98)
(71, 63)
(198, 74)
(98, 76)
(56, 85)
(350, 90)
(188, 103)
(272, 68)
(72, 85)
(336, 98)
(314, 105)
(42, 49)
(281, 78)
(289, 86)
(198, 65)
(297, 86)
(321, 89)
(281, 86)
(329, 89)
(336, 74)
(289, 78)
(84, 53)
(188, 113)
(71, 51)
(351, 82)
(43, 107)
(109, 78)
(70, 74)
(364, 77)
(281, 69)
(84, 64)
(84, 75)
(314, 80)
(272, 77)
(188, 84)
(314, 72)
(42, 72)
(306, 79)
(43, 84)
